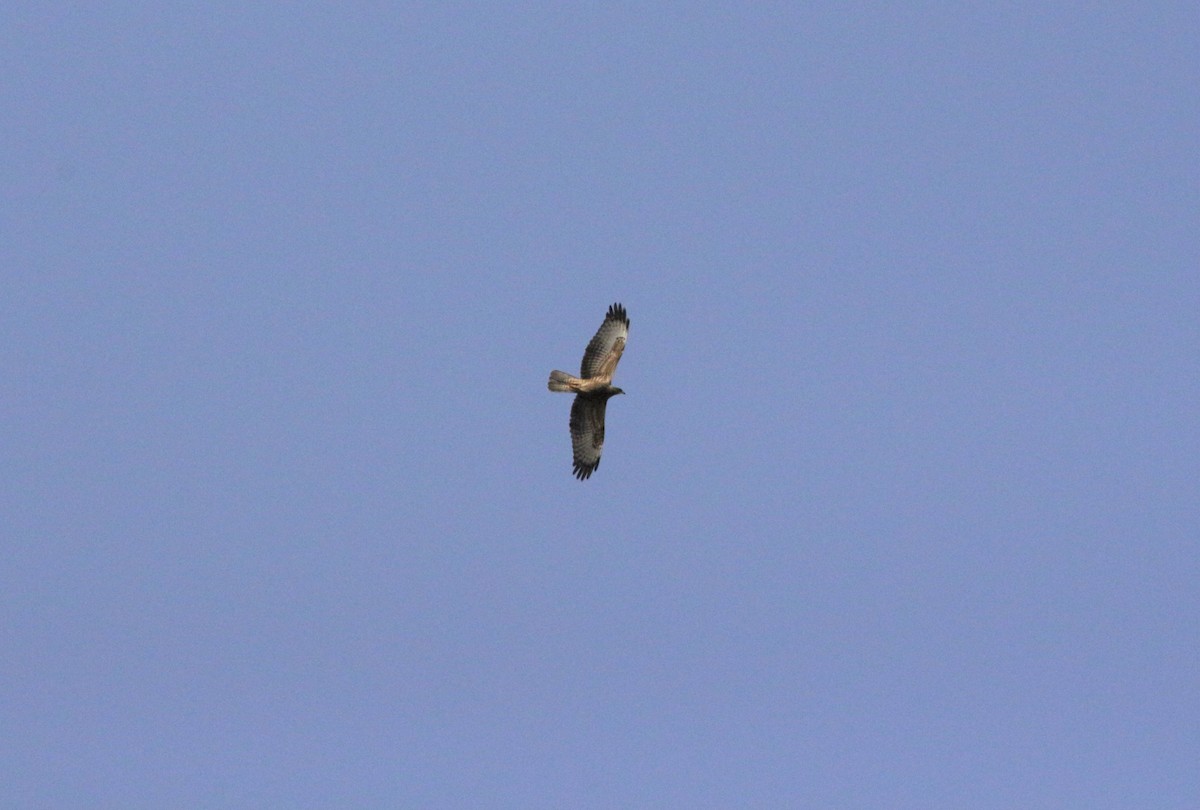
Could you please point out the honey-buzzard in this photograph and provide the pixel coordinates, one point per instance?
(592, 389)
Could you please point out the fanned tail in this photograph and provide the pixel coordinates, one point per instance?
(560, 381)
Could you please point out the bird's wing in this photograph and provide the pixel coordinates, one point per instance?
(587, 433)
(604, 351)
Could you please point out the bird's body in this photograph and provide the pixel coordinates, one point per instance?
(561, 381)
(592, 389)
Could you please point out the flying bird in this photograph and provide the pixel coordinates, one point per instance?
(592, 389)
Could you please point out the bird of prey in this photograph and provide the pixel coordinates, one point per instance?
(592, 389)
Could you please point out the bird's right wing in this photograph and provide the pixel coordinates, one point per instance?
(604, 351)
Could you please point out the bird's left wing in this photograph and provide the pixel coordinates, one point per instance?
(587, 433)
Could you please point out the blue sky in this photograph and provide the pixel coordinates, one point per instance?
(902, 506)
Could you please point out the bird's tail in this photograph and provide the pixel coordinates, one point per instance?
(560, 381)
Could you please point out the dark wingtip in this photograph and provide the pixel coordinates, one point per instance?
(583, 473)
(617, 313)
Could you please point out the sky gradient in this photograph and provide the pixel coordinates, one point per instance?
(902, 507)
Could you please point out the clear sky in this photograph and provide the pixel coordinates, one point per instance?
(902, 509)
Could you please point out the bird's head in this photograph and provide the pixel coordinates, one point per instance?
(616, 391)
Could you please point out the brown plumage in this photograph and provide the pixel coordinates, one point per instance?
(592, 389)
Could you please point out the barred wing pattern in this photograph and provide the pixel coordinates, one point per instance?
(587, 433)
(604, 351)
